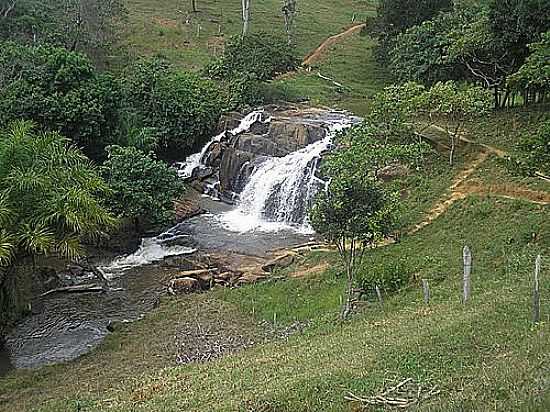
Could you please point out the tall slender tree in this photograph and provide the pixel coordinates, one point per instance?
(246, 16)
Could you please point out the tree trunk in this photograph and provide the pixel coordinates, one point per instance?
(452, 153)
(350, 266)
(246, 16)
(289, 13)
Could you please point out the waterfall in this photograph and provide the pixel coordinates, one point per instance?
(194, 161)
(280, 190)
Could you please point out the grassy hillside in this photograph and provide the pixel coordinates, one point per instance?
(486, 355)
(483, 356)
(169, 28)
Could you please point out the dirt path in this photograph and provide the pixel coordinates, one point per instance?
(443, 205)
(462, 188)
(316, 54)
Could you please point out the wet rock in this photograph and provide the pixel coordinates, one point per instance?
(186, 209)
(229, 121)
(202, 173)
(292, 136)
(231, 165)
(180, 262)
(183, 285)
(280, 262)
(213, 156)
(75, 270)
(258, 145)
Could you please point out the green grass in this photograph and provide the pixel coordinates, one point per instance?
(485, 356)
(349, 63)
(503, 128)
(160, 27)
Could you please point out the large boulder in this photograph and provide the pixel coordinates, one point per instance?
(230, 167)
(290, 136)
(280, 262)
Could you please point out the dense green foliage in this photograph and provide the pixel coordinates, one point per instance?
(396, 16)
(179, 109)
(451, 106)
(532, 152)
(61, 91)
(516, 24)
(50, 199)
(247, 63)
(357, 209)
(143, 189)
(261, 55)
(475, 42)
(534, 76)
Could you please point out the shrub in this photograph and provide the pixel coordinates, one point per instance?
(532, 153)
(261, 56)
(390, 276)
(143, 189)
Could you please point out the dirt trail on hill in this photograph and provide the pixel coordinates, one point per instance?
(462, 188)
(443, 205)
(316, 54)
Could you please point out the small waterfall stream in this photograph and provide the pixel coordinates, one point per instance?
(194, 161)
(281, 189)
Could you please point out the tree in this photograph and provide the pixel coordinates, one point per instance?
(143, 189)
(289, 14)
(354, 215)
(88, 26)
(60, 91)
(452, 106)
(179, 108)
(533, 78)
(396, 16)
(51, 198)
(246, 17)
(357, 210)
(518, 23)
(261, 55)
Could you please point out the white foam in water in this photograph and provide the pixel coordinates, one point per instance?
(195, 160)
(285, 186)
(151, 250)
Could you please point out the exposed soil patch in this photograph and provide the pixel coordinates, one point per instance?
(316, 54)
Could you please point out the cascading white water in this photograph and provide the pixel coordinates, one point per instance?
(151, 250)
(195, 160)
(280, 190)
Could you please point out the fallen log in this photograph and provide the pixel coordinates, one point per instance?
(76, 289)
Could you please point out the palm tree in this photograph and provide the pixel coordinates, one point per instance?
(50, 199)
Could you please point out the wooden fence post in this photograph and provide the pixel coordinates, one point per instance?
(536, 292)
(426, 290)
(467, 287)
(379, 295)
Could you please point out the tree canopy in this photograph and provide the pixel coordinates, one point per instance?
(60, 91)
(180, 109)
(143, 189)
